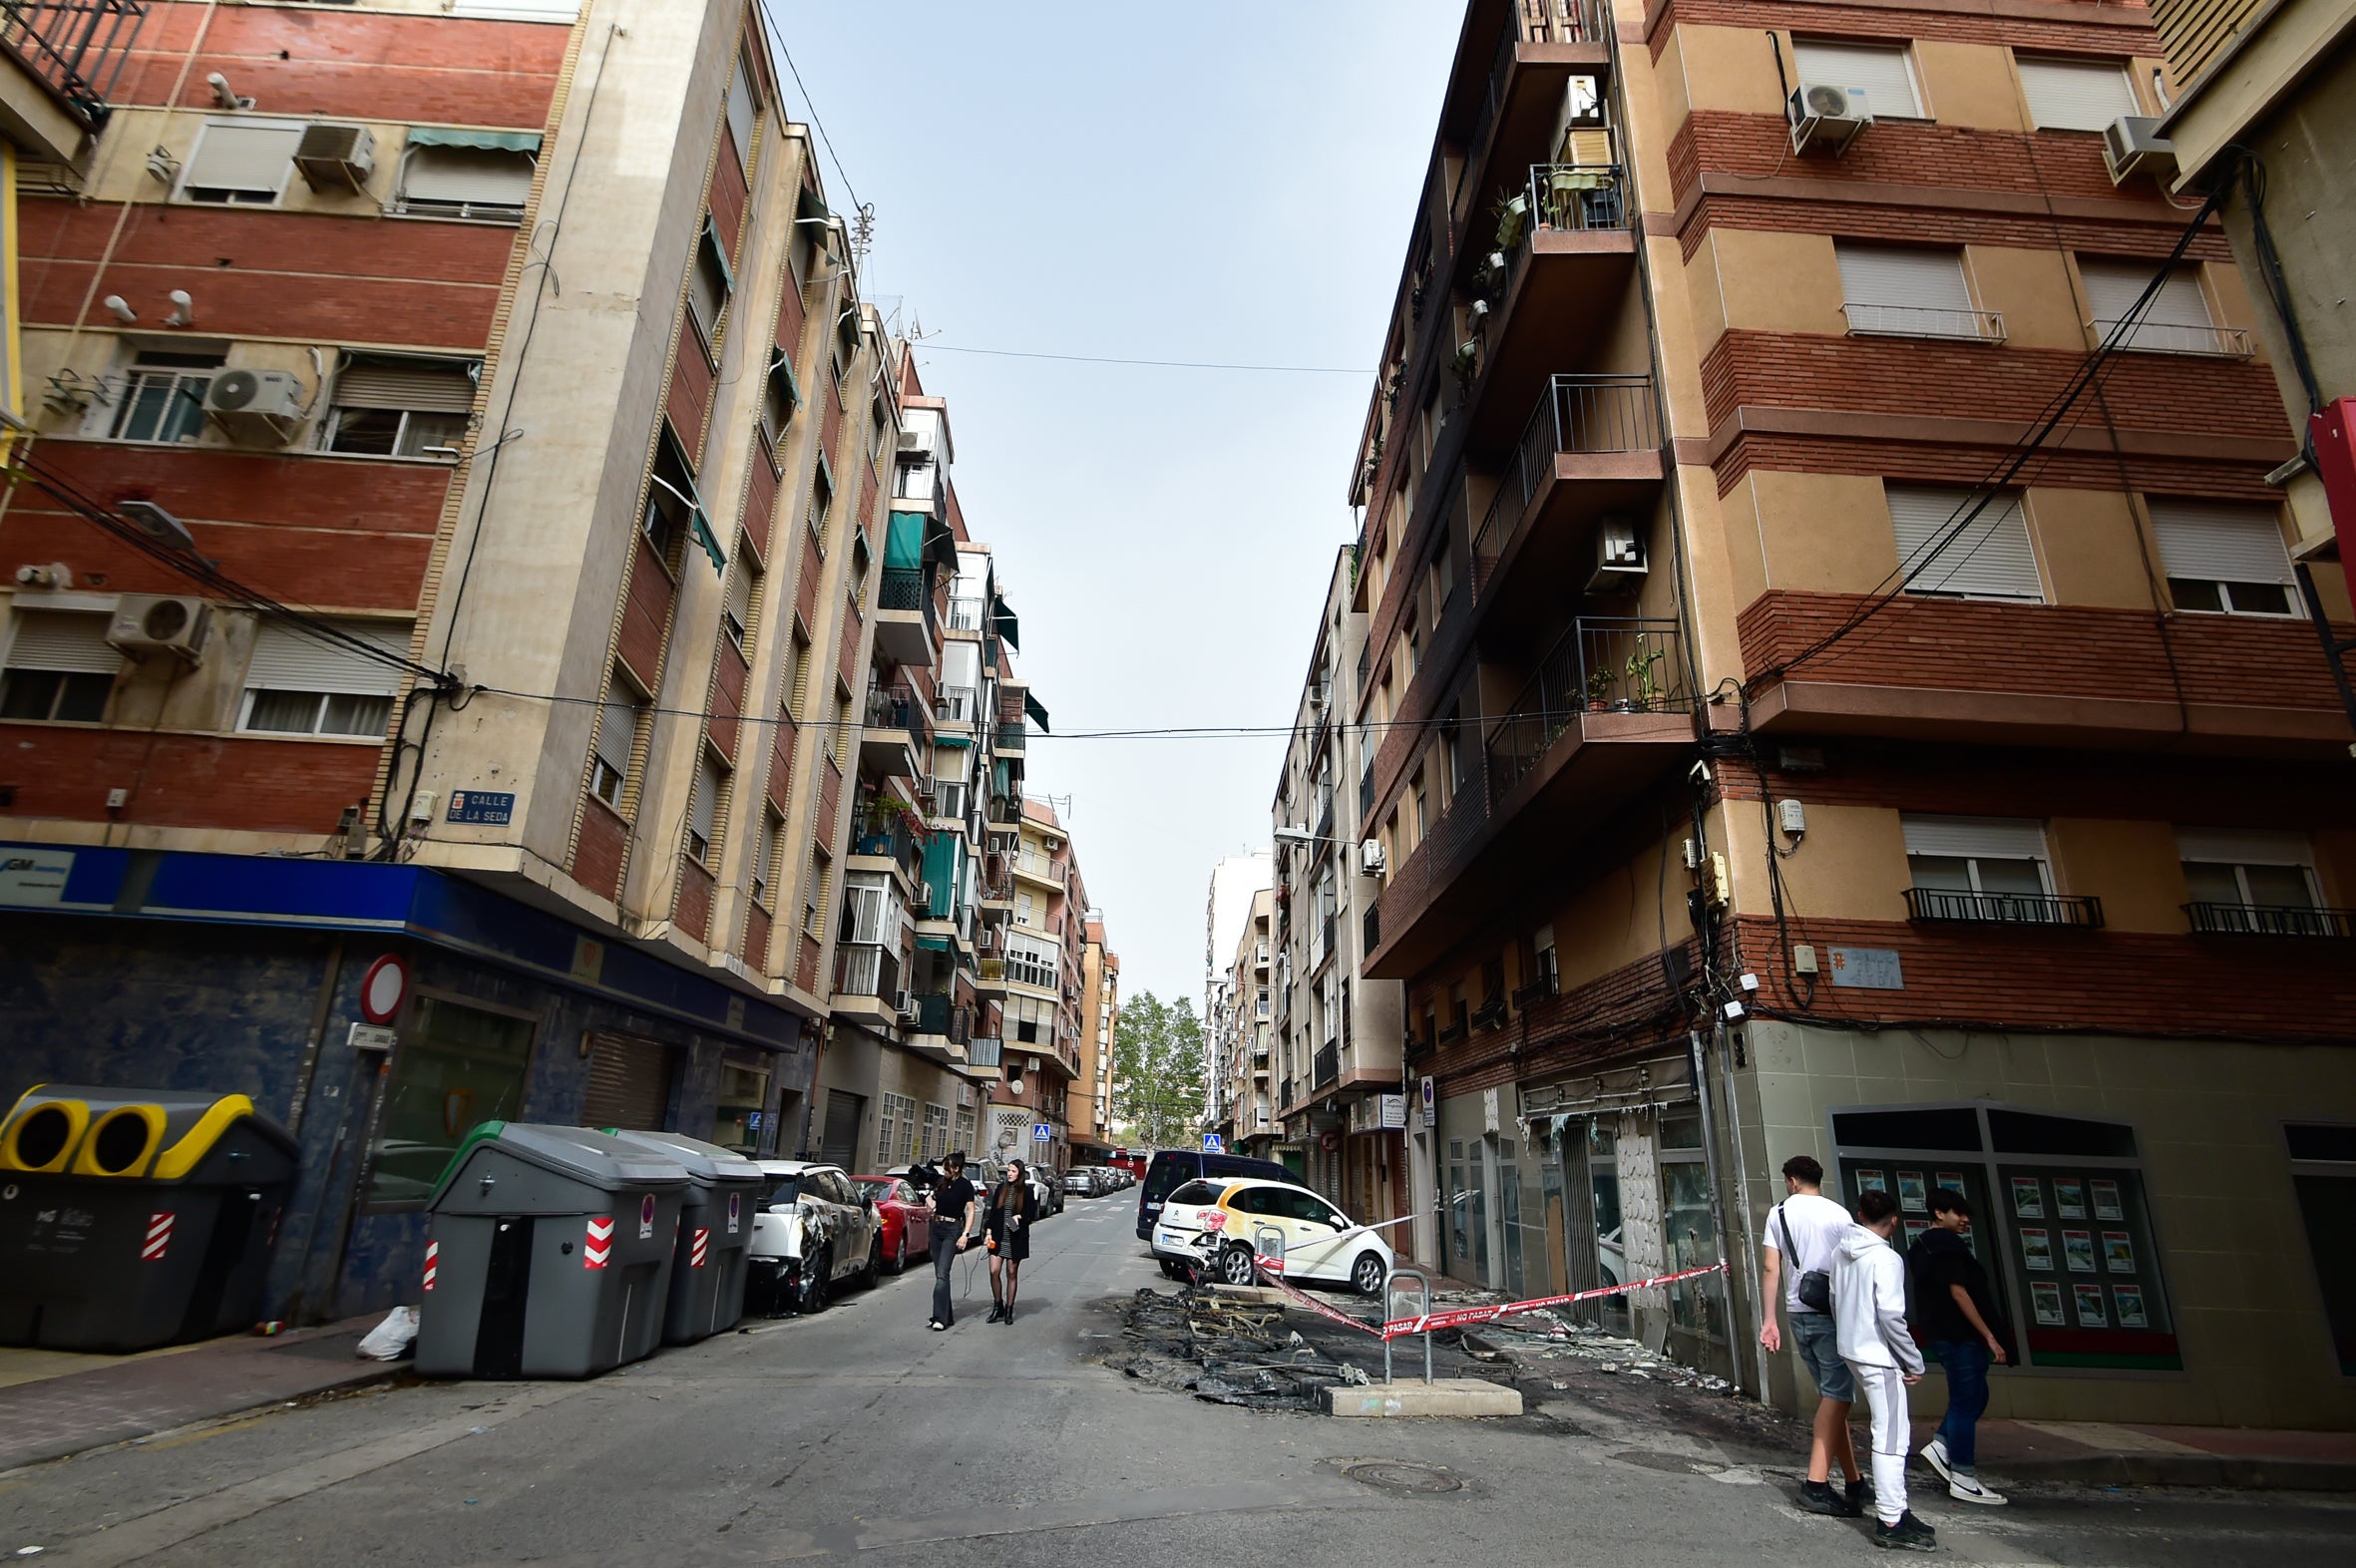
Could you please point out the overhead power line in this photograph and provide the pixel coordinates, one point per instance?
(1164, 364)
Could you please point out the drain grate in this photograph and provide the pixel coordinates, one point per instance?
(1400, 1476)
(1672, 1464)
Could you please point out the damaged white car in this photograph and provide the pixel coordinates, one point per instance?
(812, 1230)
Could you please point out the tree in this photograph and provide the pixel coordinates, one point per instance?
(1157, 1054)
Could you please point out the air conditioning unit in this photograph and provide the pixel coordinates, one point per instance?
(905, 1003)
(2133, 145)
(336, 157)
(147, 624)
(1827, 117)
(248, 402)
(1369, 858)
(1619, 557)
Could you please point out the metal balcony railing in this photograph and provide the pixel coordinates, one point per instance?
(1948, 904)
(1603, 664)
(937, 1014)
(1868, 320)
(1371, 926)
(2152, 337)
(898, 708)
(1574, 415)
(77, 48)
(1014, 737)
(896, 843)
(1575, 196)
(903, 589)
(1328, 1065)
(866, 968)
(2271, 920)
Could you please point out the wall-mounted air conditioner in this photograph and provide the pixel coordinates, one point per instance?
(1826, 117)
(147, 624)
(1369, 858)
(1619, 557)
(336, 157)
(2133, 145)
(256, 404)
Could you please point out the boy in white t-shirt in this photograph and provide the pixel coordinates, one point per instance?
(1803, 1233)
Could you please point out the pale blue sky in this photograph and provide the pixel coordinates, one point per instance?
(1223, 181)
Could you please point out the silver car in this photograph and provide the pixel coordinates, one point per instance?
(813, 1230)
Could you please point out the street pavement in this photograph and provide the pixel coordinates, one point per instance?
(858, 1434)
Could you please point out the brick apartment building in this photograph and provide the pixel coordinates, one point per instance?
(1778, 753)
(470, 543)
(1088, 1113)
(1035, 973)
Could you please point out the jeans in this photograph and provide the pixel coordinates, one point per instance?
(944, 1256)
(1966, 1362)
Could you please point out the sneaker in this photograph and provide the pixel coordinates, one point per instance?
(1909, 1535)
(1967, 1488)
(1934, 1454)
(1820, 1497)
(1861, 1497)
(937, 1326)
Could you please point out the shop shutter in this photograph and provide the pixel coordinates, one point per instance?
(468, 176)
(1880, 71)
(1901, 275)
(67, 640)
(844, 1113)
(2076, 95)
(1996, 837)
(289, 660)
(1989, 559)
(421, 386)
(2244, 846)
(2217, 541)
(629, 1082)
(250, 158)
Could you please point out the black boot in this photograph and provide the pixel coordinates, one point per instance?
(997, 1309)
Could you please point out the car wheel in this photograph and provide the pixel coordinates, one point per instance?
(812, 1297)
(1235, 1265)
(900, 1262)
(1367, 1276)
(875, 1264)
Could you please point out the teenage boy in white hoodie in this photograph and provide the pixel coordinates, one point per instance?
(1870, 1305)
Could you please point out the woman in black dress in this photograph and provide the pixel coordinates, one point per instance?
(1008, 1224)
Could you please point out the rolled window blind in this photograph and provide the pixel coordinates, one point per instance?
(1898, 276)
(2216, 541)
(617, 732)
(243, 158)
(2177, 318)
(2076, 95)
(1989, 558)
(472, 176)
(2244, 846)
(289, 660)
(68, 640)
(1881, 72)
(423, 387)
(1997, 838)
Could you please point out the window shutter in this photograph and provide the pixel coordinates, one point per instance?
(629, 1082)
(467, 177)
(421, 388)
(2178, 317)
(2244, 846)
(2076, 95)
(617, 733)
(1880, 71)
(289, 660)
(243, 158)
(67, 640)
(741, 593)
(2213, 542)
(1996, 837)
(743, 113)
(1896, 275)
(709, 781)
(1989, 559)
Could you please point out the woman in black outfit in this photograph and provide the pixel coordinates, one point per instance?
(1008, 1224)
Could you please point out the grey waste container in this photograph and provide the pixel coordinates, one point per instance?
(549, 1254)
(132, 1218)
(715, 1227)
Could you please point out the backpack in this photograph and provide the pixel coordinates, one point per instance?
(1815, 1286)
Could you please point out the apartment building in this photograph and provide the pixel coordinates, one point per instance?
(1036, 975)
(1238, 1036)
(1089, 1111)
(461, 461)
(1819, 713)
(1337, 1032)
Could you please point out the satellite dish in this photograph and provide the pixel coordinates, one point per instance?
(1014, 1085)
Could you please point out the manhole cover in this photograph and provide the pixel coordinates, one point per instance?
(1673, 1463)
(1397, 1475)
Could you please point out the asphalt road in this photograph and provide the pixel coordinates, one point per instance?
(856, 1433)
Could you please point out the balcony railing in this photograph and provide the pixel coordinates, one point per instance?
(1005, 810)
(1328, 1065)
(2271, 920)
(957, 704)
(898, 708)
(896, 843)
(965, 613)
(1014, 737)
(2152, 337)
(865, 969)
(936, 1014)
(1953, 906)
(1923, 322)
(76, 47)
(1603, 664)
(1371, 928)
(1538, 22)
(1571, 197)
(1574, 415)
(903, 589)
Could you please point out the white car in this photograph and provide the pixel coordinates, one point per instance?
(1219, 1221)
(812, 1230)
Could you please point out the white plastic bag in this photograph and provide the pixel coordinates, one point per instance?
(393, 1339)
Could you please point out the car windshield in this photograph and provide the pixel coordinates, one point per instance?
(878, 1190)
(781, 1189)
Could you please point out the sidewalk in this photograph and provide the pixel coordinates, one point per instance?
(2139, 1455)
(54, 1403)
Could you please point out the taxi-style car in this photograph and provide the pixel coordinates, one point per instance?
(1216, 1224)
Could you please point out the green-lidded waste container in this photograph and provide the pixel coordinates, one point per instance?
(715, 1227)
(132, 1218)
(549, 1254)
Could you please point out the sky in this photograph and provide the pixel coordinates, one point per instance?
(1223, 181)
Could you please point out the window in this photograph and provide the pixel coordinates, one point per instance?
(2253, 881)
(703, 810)
(59, 667)
(1443, 582)
(454, 1068)
(798, 695)
(241, 162)
(164, 397)
(936, 1132)
(814, 891)
(744, 113)
(617, 736)
(765, 856)
(896, 1130)
(2076, 95)
(2222, 559)
(2323, 1171)
(881, 436)
(1026, 908)
(1881, 71)
(483, 185)
(299, 684)
(400, 407)
(2177, 321)
(839, 732)
(672, 506)
(822, 501)
(1947, 557)
(709, 283)
(780, 396)
(1899, 291)
(1982, 868)
(736, 616)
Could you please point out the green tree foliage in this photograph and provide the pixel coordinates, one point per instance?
(1157, 1054)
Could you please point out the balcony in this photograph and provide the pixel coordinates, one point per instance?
(867, 985)
(965, 614)
(73, 48)
(1327, 1066)
(1982, 326)
(959, 705)
(1543, 44)
(1018, 970)
(896, 734)
(897, 848)
(1014, 737)
(1550, 275)
(1602, 666)
(1949, 906)
(906, 627)
(2271, 920)
(1590, 448)
(2149, 337)
(1039, 869)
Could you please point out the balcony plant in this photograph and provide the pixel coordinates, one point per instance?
(1641, 678)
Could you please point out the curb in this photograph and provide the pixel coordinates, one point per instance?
(2234, 1472)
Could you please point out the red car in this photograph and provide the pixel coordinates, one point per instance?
(907, 1228)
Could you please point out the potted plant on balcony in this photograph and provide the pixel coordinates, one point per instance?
(1599, 691)
(1642, 680)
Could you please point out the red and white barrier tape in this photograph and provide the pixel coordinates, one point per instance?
(1312, 1303)
(1429, 1322)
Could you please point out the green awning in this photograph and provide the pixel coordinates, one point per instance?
(490, 140)
(949, 738)
(904, 542)
(941, 544)
(941, 870)
(1004, 618)
(935, 944)
(1037, 711)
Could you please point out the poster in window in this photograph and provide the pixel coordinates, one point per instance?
(2118, 1251)
(1912, 1194)
(2037, 1249)
(2090, 1311)
(2045, 1297)
(2078, 1247)
(1916, 1228)
(2107, 1206)
(2028, 1198)
(2129, 1299)
(1871, 1181)
(2069, 1198)
(1952, 1181)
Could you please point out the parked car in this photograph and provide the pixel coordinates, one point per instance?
(812, 1230)
(903, 1222)
(1082, 1180)
(1217, 1223)
(1173, 1166)
(1048, 1188)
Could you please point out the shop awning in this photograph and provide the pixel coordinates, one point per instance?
(1003, 619)
(904, 542)
(490, 140)
(1037, 711)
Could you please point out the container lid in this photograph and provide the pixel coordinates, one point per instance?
(591, 1158)
(704, 1161)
